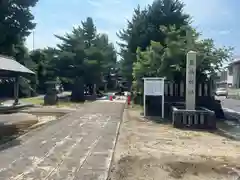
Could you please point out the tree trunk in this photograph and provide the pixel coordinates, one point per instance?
(78, 91)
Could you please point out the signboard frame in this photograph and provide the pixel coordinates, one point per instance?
(158, 80)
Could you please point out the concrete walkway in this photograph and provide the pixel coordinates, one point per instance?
(78, 147)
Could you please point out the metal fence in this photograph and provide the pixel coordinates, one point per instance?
(173, 89)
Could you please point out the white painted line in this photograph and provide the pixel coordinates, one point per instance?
(63, 157)
(36, 160)
(231, 110)
(86, 155)
(235, 115)
(111, 158)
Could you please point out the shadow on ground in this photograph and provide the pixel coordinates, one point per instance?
(152, 149)
(158, 120)
(8, 135)
(11, 142)
(229, 128)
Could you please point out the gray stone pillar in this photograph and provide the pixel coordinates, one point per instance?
(191, 80)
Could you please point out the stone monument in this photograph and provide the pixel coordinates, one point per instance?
(192, 116)
(190, 96)
(191, 80)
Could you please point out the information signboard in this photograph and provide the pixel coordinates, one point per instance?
(153, 87)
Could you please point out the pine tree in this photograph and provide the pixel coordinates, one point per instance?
(16, 23)
(85, 56)
(145, 27)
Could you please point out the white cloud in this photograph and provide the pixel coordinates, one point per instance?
(94, 3)
(207, 12)
(113, 12)
(224, 32)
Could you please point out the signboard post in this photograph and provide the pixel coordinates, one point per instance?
(153, 87)
(191, 80)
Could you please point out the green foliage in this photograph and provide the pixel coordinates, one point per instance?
(16, 23)
(156, 41)
(168, 59)
(144, 28)
(85, 53)
(44, 66)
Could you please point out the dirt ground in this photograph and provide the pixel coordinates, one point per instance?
(147, 150)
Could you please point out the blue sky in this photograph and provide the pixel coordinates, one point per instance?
(216, 19)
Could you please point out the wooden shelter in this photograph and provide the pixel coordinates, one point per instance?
(11, 69)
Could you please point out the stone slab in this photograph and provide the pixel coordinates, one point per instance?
(69, 149)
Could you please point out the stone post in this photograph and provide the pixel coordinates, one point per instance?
(191, 80)
(51, 97)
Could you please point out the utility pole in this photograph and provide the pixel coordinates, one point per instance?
(189, 36)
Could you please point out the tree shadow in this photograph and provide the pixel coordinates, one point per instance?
(8, 135)
(229, 127)
(226, 134)
(232, 116)
(216, 131)
(228, 131)
(157, 119)
(9, 142)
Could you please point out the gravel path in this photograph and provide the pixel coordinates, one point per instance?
(80, 146)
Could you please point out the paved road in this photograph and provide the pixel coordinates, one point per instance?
(231, 104)
(78, 147)
(62, 94)
(231, 108)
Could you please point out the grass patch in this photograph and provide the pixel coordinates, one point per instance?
(33, 100)
(40, 101)
(68, 104)
(137, 107)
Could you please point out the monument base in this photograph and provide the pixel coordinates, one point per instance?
(200, 118)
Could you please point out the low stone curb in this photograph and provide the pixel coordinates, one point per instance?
(33, 129)
(124, 114)
(228, 135)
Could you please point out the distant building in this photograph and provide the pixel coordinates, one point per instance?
(234, 70)
(225, 78)
(230, 76)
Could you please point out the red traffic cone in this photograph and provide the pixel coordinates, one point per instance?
(110, 98)
(129, 100)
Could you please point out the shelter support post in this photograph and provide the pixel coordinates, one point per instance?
(16, 91)
(163, 102)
